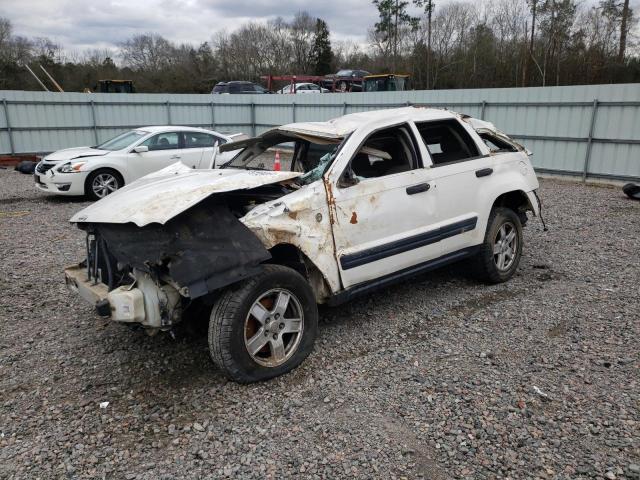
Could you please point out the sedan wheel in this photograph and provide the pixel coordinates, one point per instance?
(103, 184)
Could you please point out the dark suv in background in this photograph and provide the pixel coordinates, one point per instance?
(345, 80)
(235, 87)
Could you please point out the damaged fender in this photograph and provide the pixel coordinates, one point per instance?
(301, 219)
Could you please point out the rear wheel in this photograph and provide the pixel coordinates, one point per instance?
(343, 87)
(499, 255)
(264, 326)
(102, 182)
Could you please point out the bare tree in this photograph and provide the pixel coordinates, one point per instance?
(147, 52)
(302, 32)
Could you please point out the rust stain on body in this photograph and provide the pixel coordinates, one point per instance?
(354, 218)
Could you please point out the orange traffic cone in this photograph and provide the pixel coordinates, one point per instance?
(276, 163)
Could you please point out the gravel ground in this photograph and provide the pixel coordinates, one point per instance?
(436, 378)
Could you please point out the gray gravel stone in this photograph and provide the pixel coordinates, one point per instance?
(429, 379)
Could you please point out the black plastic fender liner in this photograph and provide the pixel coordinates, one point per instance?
(203, 249)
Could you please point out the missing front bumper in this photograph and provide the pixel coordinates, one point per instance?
(76, 279)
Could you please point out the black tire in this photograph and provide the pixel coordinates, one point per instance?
(486, 262)
(343, 87)
(632, 191)
(88, 185)
(229, 323)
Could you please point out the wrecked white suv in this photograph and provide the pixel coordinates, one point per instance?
(362, 201)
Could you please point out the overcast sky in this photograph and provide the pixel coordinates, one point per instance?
(81, 24)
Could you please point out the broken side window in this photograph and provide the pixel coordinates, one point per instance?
(496, 144)
(447, 141)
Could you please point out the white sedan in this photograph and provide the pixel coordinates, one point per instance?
(103, 169)
(303, 88)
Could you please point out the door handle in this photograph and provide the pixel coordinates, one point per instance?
(421, 187)
(485, 172)
(173, 157)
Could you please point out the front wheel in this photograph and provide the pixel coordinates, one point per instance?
(499, 255)
(102, 182)
(264, 326)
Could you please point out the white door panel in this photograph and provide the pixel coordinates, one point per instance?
(380, 227)
(191, 157)
(144, 163)
(460, 198)
(163, 151)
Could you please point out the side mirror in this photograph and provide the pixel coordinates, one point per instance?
(349, 179)
(141, 149)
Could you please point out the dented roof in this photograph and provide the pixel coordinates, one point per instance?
(340, 127)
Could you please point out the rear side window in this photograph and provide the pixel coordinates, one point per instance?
(235, 88)
(447, 141)
(198, 140)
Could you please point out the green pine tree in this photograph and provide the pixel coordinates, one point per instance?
(323, 55)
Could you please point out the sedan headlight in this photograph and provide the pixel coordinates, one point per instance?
(71, 167)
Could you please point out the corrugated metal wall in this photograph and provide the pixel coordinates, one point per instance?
(567, 128)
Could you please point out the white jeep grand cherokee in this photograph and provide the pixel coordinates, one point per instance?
(362, 201)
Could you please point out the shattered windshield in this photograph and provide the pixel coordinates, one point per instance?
(308, 155)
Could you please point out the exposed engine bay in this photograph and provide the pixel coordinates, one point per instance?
(201, 250)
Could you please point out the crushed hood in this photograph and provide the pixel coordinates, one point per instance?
(73, 153)
(160, 196)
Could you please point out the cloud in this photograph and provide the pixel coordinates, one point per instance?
(78, 25)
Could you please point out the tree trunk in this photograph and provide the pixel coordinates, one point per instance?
(429, 6)
(525, 56)
(395, 38)
(533, 30)
(623, 31)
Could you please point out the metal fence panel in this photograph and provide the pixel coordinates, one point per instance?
(563, 126)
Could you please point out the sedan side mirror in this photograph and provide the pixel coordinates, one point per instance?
(141, 149)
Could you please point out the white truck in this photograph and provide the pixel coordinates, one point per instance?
(361, 201)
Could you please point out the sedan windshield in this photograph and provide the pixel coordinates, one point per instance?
(122, 141)
(344, 73)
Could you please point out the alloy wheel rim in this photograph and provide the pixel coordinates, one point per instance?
(104, 184)
(505, 246)
(273, 327)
